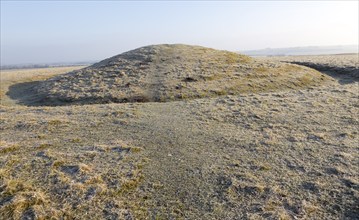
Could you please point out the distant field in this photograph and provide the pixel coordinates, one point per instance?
(294, 51)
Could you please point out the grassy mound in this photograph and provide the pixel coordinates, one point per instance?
(173, 72)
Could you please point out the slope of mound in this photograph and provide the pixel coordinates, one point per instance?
(344, 64)
(172, 72)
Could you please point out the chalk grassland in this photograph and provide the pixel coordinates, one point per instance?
(340, 64)
(11, 77)
(288, 154)
(165, 73)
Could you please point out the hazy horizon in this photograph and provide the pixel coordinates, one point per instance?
(52, 32)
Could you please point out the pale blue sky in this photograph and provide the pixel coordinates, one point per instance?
(64, 31)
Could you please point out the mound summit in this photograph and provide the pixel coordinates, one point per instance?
(172, 72)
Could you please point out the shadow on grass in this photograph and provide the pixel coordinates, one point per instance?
(342, 78)
(26, 94)
(344, 75)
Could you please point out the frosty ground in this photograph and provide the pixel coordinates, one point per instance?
(290, 154)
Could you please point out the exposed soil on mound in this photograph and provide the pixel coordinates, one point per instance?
(163, 73)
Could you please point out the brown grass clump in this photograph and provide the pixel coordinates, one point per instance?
(6, 147)
(21, 201)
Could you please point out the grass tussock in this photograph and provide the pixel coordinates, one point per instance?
(20, 200)
(8, 147)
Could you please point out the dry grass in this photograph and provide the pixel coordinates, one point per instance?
(341, 64)
(164, 73)
(289, 154)
(6, 147)
(11, 77)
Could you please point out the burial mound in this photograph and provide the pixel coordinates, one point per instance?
(163, 73)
